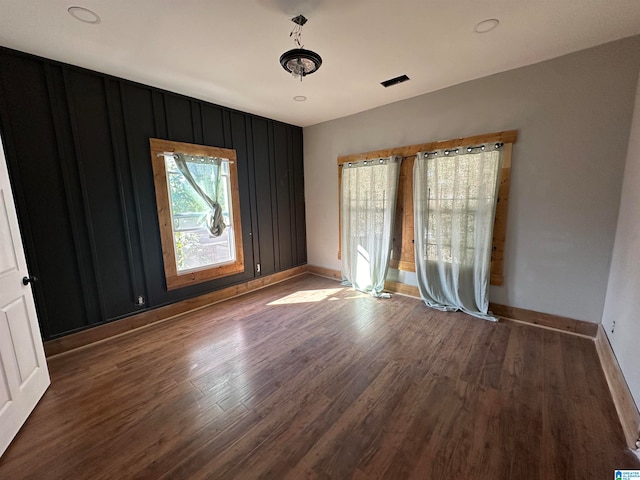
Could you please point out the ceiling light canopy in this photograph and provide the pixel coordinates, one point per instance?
(298, 61)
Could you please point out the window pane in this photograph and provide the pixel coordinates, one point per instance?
(224, 201)
(183, 197)
(195, 248)
(460, 194)
(198, 249)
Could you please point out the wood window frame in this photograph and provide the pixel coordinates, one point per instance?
(173, 278)
(403, 255)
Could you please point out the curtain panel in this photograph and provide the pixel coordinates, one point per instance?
(206, 183)
(368, 205)
(455, 194)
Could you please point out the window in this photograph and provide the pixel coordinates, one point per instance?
(198, 210)
(403, 254)
(455, 196)
(368, 203)
(459, 203)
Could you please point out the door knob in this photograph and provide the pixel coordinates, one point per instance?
(28, 280)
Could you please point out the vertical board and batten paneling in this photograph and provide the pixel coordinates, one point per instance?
(282, 195)
(44, 209)
(126, 190)
(77, 144)
(138, 108)
(46, 289)
(239, 141)
(264, 192)
(251, 181)
(179, 119)
(212, 125)
(98, 167)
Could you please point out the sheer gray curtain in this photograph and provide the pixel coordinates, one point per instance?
(455, 193)
(368, 205)
(206, 182)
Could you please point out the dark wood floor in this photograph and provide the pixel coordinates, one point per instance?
(308, 379)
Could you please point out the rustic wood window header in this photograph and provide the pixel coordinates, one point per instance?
(403, 257)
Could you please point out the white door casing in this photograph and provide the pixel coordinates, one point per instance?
(23, 369)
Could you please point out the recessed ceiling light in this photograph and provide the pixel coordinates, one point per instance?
(486, 25)
(84, 15)
(299, 98)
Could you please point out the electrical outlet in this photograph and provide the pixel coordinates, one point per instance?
(258, 267)
(140, 300)
(613, 326)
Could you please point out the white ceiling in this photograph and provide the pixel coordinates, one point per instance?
(227, 51)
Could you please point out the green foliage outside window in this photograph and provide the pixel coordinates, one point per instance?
(183, 198)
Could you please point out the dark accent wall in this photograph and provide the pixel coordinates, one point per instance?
(77, 145)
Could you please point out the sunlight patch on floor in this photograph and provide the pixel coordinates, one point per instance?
(307, 296)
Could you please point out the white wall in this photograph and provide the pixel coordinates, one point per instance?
(573, 114)
(622, 304)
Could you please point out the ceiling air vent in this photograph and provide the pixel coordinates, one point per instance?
(394, 81)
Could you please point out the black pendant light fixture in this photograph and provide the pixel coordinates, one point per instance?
(300, 62)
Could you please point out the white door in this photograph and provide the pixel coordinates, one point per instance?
(23, 368)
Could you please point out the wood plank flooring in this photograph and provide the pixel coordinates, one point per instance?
(308, 379)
